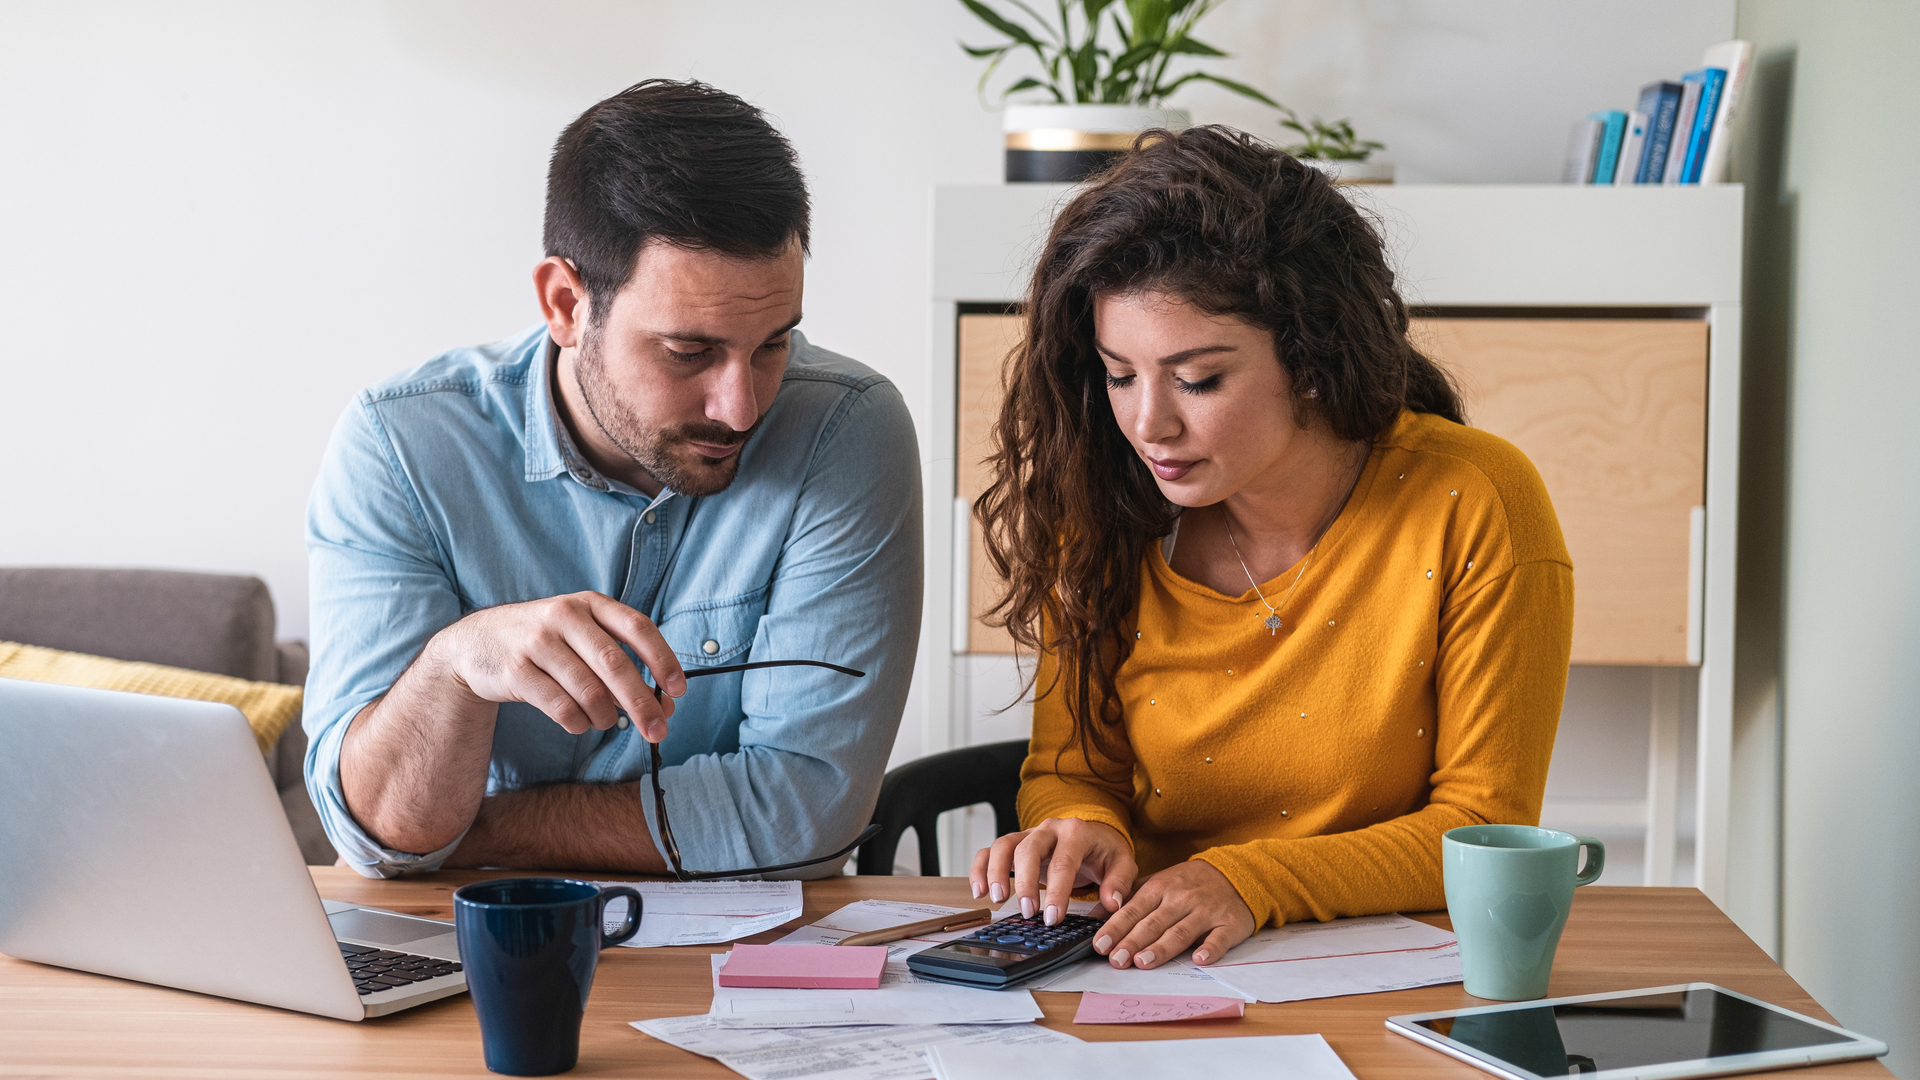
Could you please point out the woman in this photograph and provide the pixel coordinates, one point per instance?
(1294, 619)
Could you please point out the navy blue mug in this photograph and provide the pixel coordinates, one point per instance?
(529, 946)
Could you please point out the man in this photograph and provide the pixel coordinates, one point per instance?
(667, 472)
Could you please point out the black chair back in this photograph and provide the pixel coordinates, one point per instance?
(917, 793)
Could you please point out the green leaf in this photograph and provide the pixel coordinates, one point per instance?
(985, 53)
(1150, 19)
(993, 18)
(1086, 72)
(1059, 36)
(1237, 87)
(1028, 83)
(1133, 58)
(1187, 46)
(1092, 9)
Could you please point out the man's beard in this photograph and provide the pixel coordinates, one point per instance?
(654, 449)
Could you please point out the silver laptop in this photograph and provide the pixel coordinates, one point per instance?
(141, 837)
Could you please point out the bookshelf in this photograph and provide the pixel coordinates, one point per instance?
(1596, 328)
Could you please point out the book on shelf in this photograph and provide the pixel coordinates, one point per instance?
(1676, 133)
(1711, 80)
(1661, 102)
(1613, 129)
(1583, 146)
(1682, 130)
(1735, 58)
(1631, 145)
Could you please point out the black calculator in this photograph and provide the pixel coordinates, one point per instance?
(1010, 951)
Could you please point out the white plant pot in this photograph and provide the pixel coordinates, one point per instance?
(1066, 143)
(1353, 172)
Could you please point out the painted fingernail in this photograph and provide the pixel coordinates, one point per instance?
(1145, 959)
(976, 890)
(1053, 914)
(1120, 958)
(1200, 956)
(1026, 907)
(1102, 944)
(997, 891)
(1116, 901)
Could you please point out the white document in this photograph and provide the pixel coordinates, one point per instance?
(1332, 959)
(1296, 1057)
(900, 999)
(865, 915)
(873, 1052)
(704, 912)
(1097, 975)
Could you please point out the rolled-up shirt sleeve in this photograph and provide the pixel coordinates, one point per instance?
(814, 743)
(379, 590)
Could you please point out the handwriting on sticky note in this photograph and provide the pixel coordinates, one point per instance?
(1154, 1008)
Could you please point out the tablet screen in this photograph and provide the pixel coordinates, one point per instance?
(1629, 1032)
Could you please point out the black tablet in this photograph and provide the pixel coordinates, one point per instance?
(1668, 1032)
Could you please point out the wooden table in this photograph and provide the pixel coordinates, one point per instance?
(58, 1023)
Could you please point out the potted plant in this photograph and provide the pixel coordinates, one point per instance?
(1104, 78)
(1333, 148)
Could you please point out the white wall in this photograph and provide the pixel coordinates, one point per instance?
(1833, 233)
(219, 220)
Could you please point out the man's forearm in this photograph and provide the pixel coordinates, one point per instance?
(413, 765)
(562, 827)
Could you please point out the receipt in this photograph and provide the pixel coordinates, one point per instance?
(704, 912)
(871, 1052)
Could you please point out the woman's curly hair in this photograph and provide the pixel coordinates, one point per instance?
(1225, 222)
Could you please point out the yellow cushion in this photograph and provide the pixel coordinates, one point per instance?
(268, 707)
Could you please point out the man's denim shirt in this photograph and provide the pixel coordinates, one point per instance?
(454, 487)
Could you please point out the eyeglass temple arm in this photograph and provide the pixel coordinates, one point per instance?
(866, 834)
(694, 673)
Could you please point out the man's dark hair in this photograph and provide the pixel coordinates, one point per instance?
(679, 162)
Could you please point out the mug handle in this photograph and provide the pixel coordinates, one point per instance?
(632, 925)
(1596, 860)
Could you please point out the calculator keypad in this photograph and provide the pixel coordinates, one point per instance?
(1021, 934)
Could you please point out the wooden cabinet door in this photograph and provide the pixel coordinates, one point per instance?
(1613, 414)
(985, 341)
(1611, 411)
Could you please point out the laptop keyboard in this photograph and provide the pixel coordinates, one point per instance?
(375, 970)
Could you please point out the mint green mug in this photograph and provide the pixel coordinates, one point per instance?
(1509, 888)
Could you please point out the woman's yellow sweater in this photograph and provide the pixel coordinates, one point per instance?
(1414, 687)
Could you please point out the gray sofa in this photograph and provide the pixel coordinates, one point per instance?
(222, 623)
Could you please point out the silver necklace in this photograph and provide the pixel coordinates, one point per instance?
(1272, 621)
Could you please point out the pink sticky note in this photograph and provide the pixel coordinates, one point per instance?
(1154, 1008)
(805, 967)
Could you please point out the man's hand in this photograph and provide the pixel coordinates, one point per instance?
(413, 765)
(1173, 909)
(1063, 853)
(563, 656)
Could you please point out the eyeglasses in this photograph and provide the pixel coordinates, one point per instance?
(672, 847)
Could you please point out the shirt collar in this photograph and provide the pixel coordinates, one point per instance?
(551, 450)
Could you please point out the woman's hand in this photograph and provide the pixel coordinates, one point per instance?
(1173, 909)
(1064, 853)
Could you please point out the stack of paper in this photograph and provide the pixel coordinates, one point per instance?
(1332, 959)
(768, 1032)
(871, 1052)
(1297, 1057)
(704, 912)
